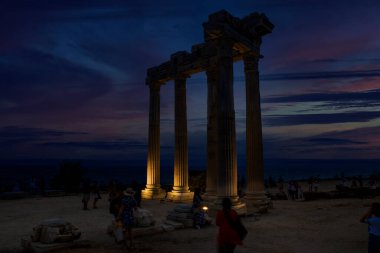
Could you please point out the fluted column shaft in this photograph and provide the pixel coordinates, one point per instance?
(153, 163)
(181, 146)
(227, 159)
(255, 161)
(212, 162)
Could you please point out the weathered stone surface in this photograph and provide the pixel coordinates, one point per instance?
(181, 215)
(39, 247)
(175, 196)
(167, 228)
(227, 39)
(183, 208)
(53, 231)
(147, 231)
(144, 218)
(174, 224)
(185, 221)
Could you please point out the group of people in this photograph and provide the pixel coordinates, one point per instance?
(90, 191)
(313, 183)
(123, 203)
(294, 190)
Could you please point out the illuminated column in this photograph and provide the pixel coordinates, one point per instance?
(255, 195)
(153, 188)
(226, 133)
(180, 190)
(212, 162)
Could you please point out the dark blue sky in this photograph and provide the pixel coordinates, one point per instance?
(72, 78)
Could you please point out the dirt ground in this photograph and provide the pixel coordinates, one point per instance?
(328, 226)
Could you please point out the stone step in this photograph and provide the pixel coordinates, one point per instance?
(185, 222)
(39, 247)
(174, 224)
(181, 215)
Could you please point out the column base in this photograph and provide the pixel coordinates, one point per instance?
(177, 196)
(153, 193)
(237, 205)
(209, 197)
(257, 202)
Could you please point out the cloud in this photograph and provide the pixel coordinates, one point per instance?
(99, 145)
(369, 96)
(322, 118)
(322, 75)
(333, 141)
(48, 80)
(28, 134)
(355, 60)
(356, 143)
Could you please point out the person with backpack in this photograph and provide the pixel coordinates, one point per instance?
(231, 231)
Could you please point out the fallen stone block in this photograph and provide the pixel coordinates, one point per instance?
(176, 225)
(167, 228)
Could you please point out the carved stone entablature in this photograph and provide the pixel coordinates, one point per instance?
(245, 33)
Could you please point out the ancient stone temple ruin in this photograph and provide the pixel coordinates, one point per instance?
(227, 39)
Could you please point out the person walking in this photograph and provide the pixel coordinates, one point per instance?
(372, 218)
(128, 204)
(228, 237)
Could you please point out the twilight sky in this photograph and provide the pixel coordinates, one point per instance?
(72, 78)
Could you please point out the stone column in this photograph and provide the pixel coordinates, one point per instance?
(153, 188)
(180, 190)
(255, 195)
(212, 162)
(226, 132)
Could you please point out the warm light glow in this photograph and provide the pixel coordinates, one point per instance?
(205, 208)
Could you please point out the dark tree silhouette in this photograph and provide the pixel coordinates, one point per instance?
(69, 177)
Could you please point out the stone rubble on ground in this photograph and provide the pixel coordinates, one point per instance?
(51, 234)
(183, 214)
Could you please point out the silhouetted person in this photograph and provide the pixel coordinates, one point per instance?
(86, 190)
(128, 204)
(360, 180)
(310, 183)
(114, 197)
(95, 191)
(198, 215)
(41, 185)
(228, 237)
(372, 218)
(137, 188)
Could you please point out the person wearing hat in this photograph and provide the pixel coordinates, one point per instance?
(128, 203)
(372, 218)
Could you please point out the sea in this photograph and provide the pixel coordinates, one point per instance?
(127, 172)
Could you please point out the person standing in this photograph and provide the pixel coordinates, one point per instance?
(128, 204)
(198, 214)
(115, 196)
(96, 194)
(228, 237)
(372, 218)
(86, 189)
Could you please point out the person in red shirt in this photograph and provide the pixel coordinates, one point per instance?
(228, 237)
